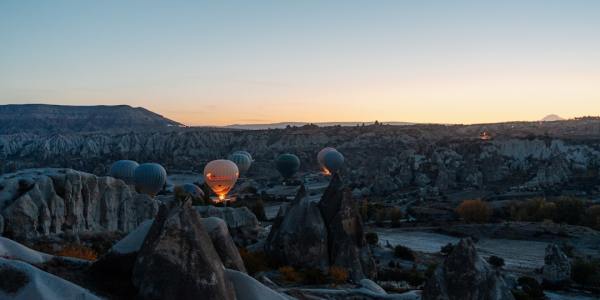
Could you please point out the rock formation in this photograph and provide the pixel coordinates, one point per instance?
(224, 245)
(347, 246)
(324, 234)
(299, 238)
(464, 275)
(557, 267)
(177, 259)
(242, 223)
(43, 202)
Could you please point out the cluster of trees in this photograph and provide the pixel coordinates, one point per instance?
(563, 210)
(380, 214)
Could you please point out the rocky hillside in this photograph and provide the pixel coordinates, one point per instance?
(44, 119)
(381, 160)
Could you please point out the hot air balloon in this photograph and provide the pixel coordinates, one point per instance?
(242, 161)
(333, 161)
(124, 170)
(245, 153)
(321, 156)
(150, 178)
(287, 164)
(193, 190)
(220, 175)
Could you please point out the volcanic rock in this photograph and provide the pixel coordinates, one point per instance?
(464, 275)
(557, 267)
(178, 260)
(241, 222)
(219, 234)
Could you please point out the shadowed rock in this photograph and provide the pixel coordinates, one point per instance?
(557, 267)
(178, 260)
(464, 275)
(299, 238)
(229, 253)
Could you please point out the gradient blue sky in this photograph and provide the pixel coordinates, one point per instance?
(224, 62)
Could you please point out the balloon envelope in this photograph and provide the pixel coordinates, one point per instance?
(333, 161)
(220, 175)
(124, 170)
(245, 153)
(287, 164)
(150, 178)
(193, 190)
(321, 155)
(242, 161)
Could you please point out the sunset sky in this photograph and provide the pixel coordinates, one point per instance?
(224, 62)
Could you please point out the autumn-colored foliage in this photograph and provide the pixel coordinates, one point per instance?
(290, 274)
(474, 211)
(78, 251)
(338, 275)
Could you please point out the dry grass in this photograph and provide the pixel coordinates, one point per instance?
(78, 251)
(338, 275)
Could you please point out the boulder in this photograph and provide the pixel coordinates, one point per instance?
(228, 252)
(177, 259)
(465, 275)
(557, 267)
(241, 222)
(42, 202)
(299, 235)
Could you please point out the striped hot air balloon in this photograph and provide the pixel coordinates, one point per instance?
(333, 161)
(245, 153)
(150, 178)
(242, 161)
(287, 164)
(124, 170)
(220, 175)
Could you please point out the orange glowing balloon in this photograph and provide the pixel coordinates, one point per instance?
(220, 175)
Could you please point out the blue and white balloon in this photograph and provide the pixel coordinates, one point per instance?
(150, 178)
(124, 170)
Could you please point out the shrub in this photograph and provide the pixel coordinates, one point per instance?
(372, 238)
(430, 270)
(404, 253)
(78, 251)
(586, 272)
(571, 210)
(338, 275)
(13, 279)
(592, 216)
(395, 216)
(289, 274)
(531, 288)
(474, 211)
(313, 276)
(496, 261)
(255, 261)
(535, 210)
(380, 217)
(445, 250)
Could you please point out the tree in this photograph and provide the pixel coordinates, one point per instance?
(474, 211)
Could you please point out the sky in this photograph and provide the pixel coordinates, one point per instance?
(226, 62)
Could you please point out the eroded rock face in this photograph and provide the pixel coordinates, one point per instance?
(219, 234)
(322, 234)
(177, 259)
(299, 238)
(347, 246)
(557, 267)
(41, 202)
(242, 223)
(464, 275)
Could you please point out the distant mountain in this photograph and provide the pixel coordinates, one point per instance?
(298, 124)
(552, 118)
(45, 119)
